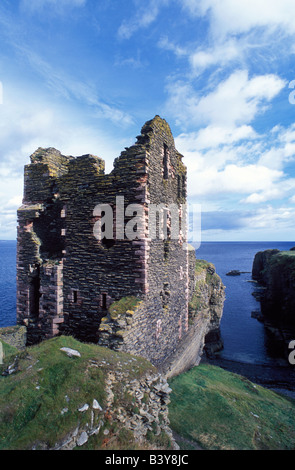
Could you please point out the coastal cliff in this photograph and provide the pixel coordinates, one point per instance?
(274, 271)
(204, 315)
(72, 395)
(118, 330)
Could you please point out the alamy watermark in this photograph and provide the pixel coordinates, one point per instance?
(292, 94)
(291, 356)
(154, 221)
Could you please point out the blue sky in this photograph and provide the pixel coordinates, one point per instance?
(83, 76)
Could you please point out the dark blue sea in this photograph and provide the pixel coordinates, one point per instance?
(7, 283)
(245, 339)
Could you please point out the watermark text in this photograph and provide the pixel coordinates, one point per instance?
(153, 221)
(291, 356)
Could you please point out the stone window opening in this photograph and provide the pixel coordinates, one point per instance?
(183, 186)
(75, 296)
(104, 301)
(165, 295)
(166, 163)
(104, 232)
(179, 187)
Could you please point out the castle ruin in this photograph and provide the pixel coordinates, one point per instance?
(128, 293)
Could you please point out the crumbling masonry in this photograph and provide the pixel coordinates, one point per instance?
(125, 294)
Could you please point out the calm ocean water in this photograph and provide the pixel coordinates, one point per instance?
(7, 283)
(245, 339)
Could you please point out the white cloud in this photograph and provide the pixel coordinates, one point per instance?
(270, 217)
(25, 125)
(143, 18)
(220, 54)
(233, 17)
(166, 44)
(235, 101)
(213, 136)
(236, 162)
(239, 31)
(233, 179)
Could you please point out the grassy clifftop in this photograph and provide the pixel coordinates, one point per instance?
(90, 397)
(218, 410)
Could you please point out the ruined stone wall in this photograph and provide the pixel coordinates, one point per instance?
(158, 325)
(68, 278)
(55, 232)
(125, 328)
(96, 274)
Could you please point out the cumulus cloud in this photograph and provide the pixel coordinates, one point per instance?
(238, 31)
(213, 136)
(236, 100)
(232, 179)
(232, 17)
(220, 54)
(237, 162)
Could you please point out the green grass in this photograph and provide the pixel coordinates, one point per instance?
(47, 381)
(218, 410)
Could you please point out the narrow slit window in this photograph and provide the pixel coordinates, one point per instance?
(104, 301)
(179, 186)
(165, 163)
(183, 186)
(75, 296)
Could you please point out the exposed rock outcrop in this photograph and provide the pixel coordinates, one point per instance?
(205, 312)
(274, 271)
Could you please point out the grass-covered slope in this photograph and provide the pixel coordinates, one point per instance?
(102, 399)
(215, 409)
(49, 399)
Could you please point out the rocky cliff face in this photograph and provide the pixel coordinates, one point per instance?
(205, 312)
(275, 271)
(208, 300)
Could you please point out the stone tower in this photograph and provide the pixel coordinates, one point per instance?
(125, 292)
